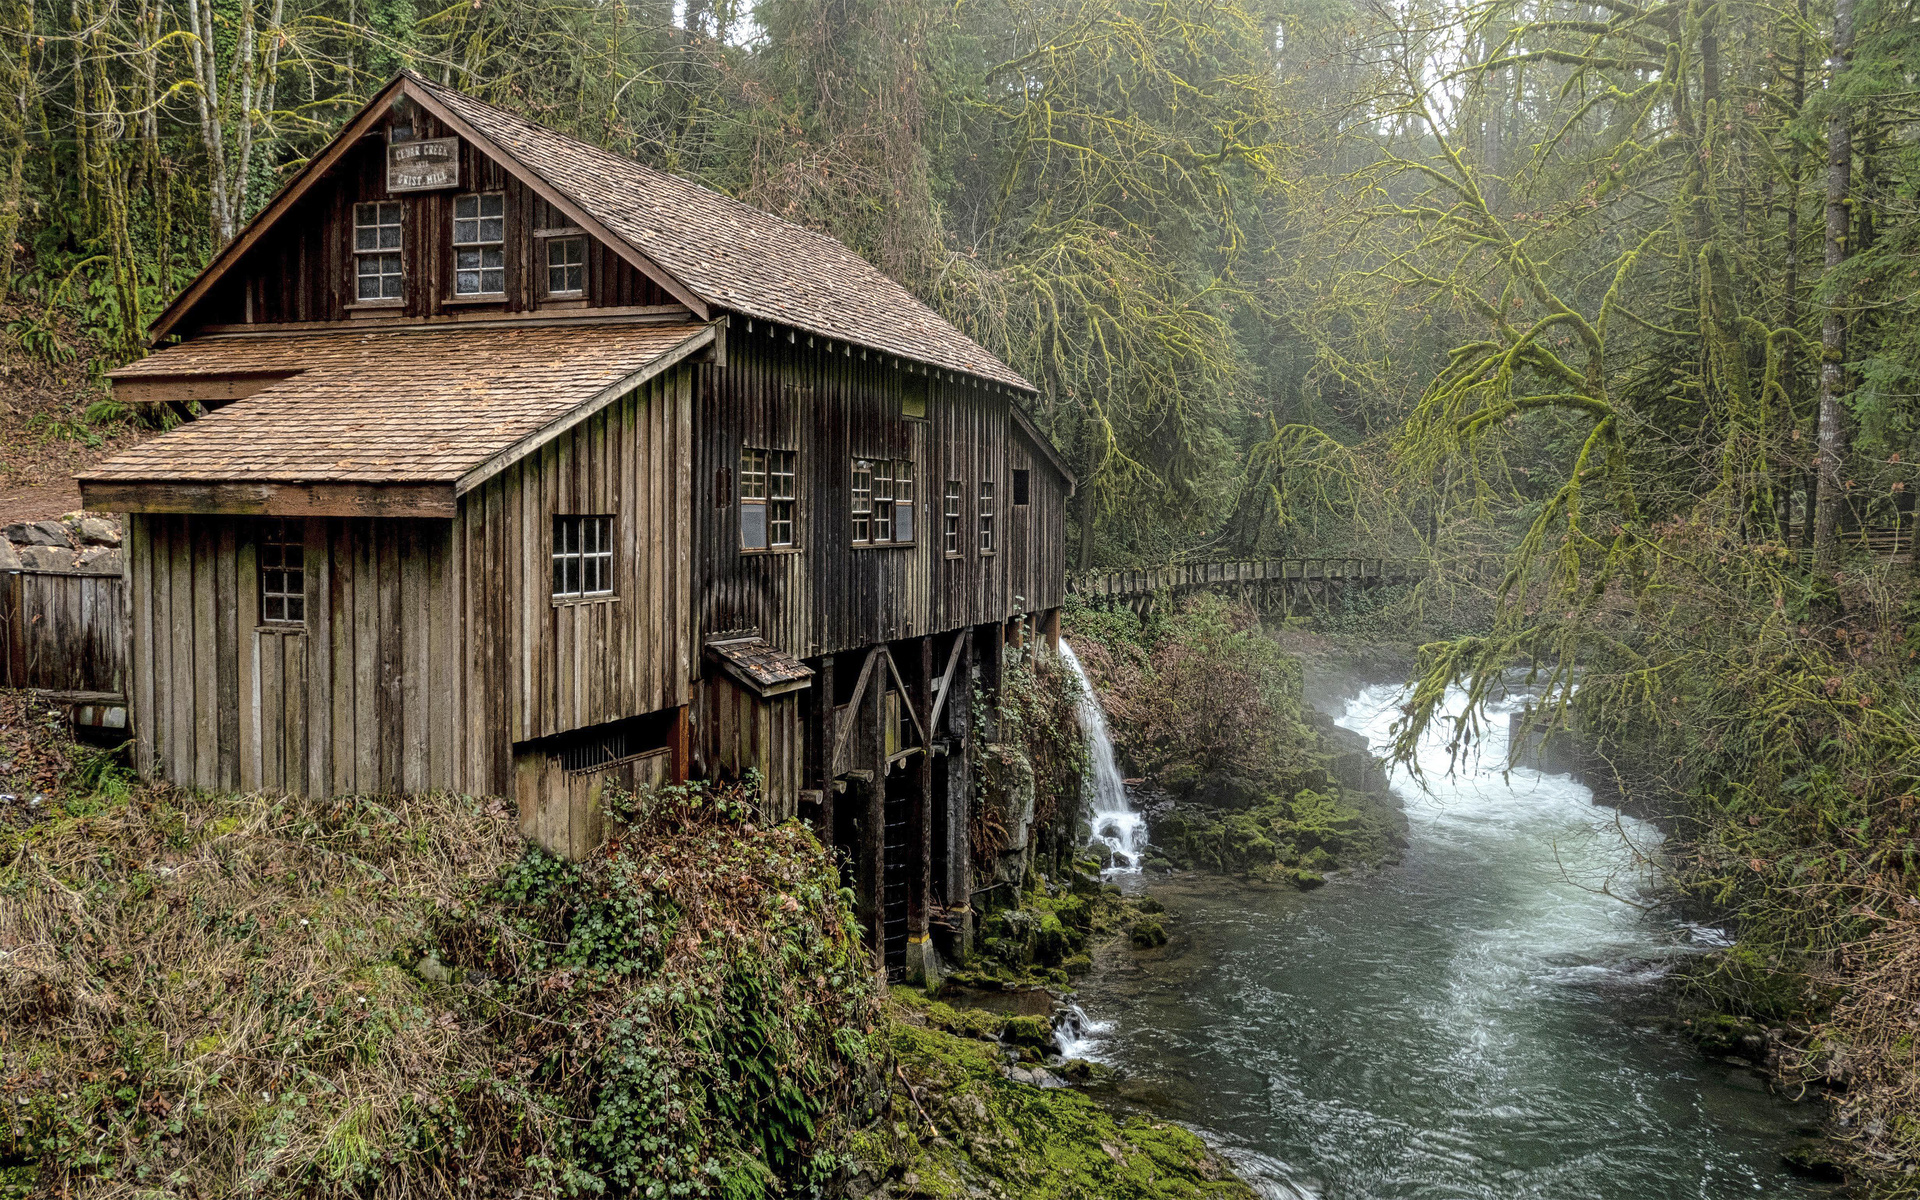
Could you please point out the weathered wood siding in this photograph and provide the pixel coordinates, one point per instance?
(742, 732)
(303, 270)
(62, 632)
(429, 647)
(539, 667)
(826, 596)
(361, 698)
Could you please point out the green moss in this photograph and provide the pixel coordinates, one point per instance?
(965, 1123)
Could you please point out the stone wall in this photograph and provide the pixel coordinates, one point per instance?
(76, 542)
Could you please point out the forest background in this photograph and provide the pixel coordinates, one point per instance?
(1618, 295)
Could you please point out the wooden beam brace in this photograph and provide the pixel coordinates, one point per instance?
(946, 680)
(844, 729)
(906, 700)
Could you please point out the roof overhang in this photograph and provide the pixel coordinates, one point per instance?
(266, 499)
(364, 425)
(1044, 445)
(763, 668)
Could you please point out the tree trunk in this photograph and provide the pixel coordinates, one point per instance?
(1831, 446)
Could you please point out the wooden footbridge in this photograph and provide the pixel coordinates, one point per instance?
(1285, 584)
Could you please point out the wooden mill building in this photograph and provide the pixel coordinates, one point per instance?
(517, 467)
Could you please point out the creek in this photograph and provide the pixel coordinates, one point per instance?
(1479, 1020)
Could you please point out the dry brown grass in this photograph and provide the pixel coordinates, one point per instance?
(211, 988)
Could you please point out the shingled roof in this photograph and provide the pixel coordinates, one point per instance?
(412, 405)
(734, 256)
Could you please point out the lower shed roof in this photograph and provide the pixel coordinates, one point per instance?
(393, 422)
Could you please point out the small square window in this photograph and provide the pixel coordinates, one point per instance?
(582, 557)
(566, 266)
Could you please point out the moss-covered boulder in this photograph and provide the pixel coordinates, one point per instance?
(958, 1129)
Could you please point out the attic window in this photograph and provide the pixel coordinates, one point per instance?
(479, 244)
(1020, 485)
(376, 251)
(566, 266)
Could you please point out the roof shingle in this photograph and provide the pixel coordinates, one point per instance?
(408, 405)
(733, 255)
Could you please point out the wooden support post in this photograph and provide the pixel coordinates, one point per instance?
(1053, 629)
(873, 831)
(823, 740)
(682, 758)
(960, 797)
(920, 966)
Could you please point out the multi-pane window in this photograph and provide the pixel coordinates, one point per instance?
(582, 557)
(882, 502)
(766, 498)
(986, 516)
(283, 574)
(479, 244)
(950, 517)
(1021, 484)
(376, 251)
(566, 266)
(862, 501)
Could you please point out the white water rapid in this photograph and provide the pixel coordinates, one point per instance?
(1478, 1021)
(1114, 822)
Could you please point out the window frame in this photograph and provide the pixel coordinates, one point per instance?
(875, 510)
(569, 545)
(951, 500)
(276, 542)
(396, 252)
(983, 519)
(768, 479)
(564, 239)
(479, 245)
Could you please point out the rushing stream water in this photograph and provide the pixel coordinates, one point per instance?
(1472, 1022)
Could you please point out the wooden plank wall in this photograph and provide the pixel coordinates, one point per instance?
(303, 269)
(361, 699)
(829, 596)
(62, 632)
(743, 732)
(538, 667)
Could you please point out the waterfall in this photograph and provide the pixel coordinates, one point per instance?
(1113, 819)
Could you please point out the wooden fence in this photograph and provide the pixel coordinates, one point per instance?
(1304, 576)
(63, 633)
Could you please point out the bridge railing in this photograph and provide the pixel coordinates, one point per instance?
(1181, 577)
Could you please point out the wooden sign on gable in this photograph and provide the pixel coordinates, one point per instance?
(427, 165)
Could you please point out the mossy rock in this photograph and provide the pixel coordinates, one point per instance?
(1033, 1032)
(1001, 1138)
(1306, 881)
(1147, 933)
(1815, 1159)
(1078, 965)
